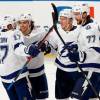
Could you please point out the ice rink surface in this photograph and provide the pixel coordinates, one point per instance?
(50, 72)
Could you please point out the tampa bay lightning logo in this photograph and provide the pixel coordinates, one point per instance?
(64, 51)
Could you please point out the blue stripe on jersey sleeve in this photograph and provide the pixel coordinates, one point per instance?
(17, 45)
(97, 49)
(90, 65)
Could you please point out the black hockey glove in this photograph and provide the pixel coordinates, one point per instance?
(45, 47)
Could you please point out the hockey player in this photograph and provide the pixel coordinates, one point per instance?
(13, 55)
(66, 74)
(88, 42)
(33, 34)
(8, 23)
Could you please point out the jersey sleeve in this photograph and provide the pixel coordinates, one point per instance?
(18, 44)
(90, 43)
(53, 40)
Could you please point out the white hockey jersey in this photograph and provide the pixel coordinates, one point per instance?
(62, 61)
(89, 41)
(36, 65)
(11, 45)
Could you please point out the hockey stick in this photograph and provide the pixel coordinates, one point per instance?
(42, 41)
(92, 87)
(89, 82)
(20, 72)
(55, 19)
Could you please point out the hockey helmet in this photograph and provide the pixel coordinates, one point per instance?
(66, 13)
(25, 17)
(7, 20)
(81, 8)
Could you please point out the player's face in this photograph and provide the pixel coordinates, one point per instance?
(65, 22)
(9, 27)
(84, 17)
(14, 25)
(24, 26)
(78, 17)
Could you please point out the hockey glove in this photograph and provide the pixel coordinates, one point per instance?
(45, 47)
(68, 46)
(74, 55)
(32, 50)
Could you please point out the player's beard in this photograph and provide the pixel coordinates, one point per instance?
(79, 22)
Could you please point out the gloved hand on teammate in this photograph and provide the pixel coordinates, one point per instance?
(32, 50)
(45, 47)
(73, 54)
(68, 47)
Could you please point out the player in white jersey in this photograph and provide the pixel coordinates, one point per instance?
(33, 34)
(66, 74)
(8, 23)
(88, 42)
(13, 55)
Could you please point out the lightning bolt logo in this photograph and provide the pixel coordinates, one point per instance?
(84, 86)
(86, 82)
